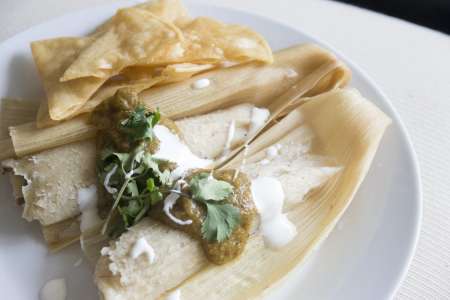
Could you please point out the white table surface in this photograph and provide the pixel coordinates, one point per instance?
(410, 63)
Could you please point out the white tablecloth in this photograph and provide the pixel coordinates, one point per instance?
(410, 63)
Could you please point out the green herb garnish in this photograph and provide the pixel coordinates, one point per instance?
(137, 180)
(139, 125)
(205, 187)
(221, 217)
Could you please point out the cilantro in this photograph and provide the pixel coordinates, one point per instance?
(150, 184)
(221, 218)
(139, 124)
(137, 182)
(204, 187)
(220, 221)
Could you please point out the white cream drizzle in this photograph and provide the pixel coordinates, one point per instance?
(243, 162)
(108, 188)
(201, 83)
(291, 73)
(87, 202)
(172, 149)
(78, 262)
(259, 117)
(175, 295)
(230, 136)
(265, 161)
(275, 227)
(54, 289)
(169, 202)
(142, 247)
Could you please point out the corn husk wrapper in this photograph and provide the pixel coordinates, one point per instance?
(58, 235)
(253, 83)
(15, 112)
(346, 128)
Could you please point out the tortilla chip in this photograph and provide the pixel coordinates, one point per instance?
(169, 10)
(135, 34)
(52, 57)
(139, 37)
(138, 78)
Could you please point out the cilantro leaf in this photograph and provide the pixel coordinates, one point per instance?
(139, 124)
(153, 164)
(220, 221)
(204, 187)
(150, 184)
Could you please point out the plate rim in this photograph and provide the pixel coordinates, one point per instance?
(393, 114)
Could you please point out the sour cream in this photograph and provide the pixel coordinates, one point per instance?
(169, 202)
(175, 295)
(258, 118)
(142, 247)
(230, 136)
(171, 148)
(275, 227)
(54, 289)
(87, 202)
(201, 83)
(291, 73)
(108, 176)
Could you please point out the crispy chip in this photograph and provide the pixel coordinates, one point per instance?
(139, 37)
(149, 44)
(134, 35)
(138, 78)
(52, 57)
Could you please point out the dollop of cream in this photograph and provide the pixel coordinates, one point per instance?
(272, 151)
(275, 227)
(201, 83)
(171, 148)
(175, 295)
(87, 202)
(259, 117)
(291, 73)
(54, 289)
(142, 247)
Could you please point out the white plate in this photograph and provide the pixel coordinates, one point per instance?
(365, 257)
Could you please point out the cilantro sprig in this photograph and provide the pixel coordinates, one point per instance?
(139, 125)
(135, 178)
(221, 217)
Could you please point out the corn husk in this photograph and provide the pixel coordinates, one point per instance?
(346, 129)
(15, 112)
(58, 235)
(252, 83)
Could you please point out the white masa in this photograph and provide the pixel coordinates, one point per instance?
(410, 63)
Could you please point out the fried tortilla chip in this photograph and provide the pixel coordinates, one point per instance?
(140, 37)
(52, 57)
